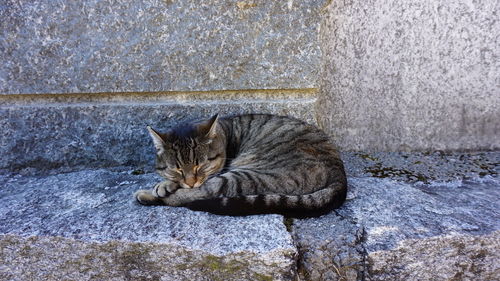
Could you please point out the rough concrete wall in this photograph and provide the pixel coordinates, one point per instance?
(79, 81)
(412, 75)
(157, 45)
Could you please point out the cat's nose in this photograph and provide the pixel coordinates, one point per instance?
(190, 181)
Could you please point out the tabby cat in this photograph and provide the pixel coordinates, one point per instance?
(245, 165)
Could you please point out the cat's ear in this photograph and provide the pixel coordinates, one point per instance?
(209, 128)
(157, 140)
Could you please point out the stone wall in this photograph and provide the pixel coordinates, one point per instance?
(158, 45)
(394, 76)
(411, 75)
(79, 81)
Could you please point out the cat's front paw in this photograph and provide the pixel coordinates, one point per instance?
(164, 189)
(145, 197)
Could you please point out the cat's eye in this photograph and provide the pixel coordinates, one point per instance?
(161, 168)
(213, 158)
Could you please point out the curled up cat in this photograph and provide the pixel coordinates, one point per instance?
(246, 165)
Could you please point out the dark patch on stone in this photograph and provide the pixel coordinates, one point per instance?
(137, 172)
(390, 172)
(288, 222)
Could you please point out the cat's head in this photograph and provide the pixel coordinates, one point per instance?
(190, 153)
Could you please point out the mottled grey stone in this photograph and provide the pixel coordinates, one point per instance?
(411, 75)
(396, 228)
(330, 248)
(469, 207)
(392, 227)
(78, 131)
(422, 167)
(86, 226)
(452, 229)
(158, 45)
(449, 257)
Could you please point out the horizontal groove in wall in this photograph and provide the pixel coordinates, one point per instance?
(170, 97)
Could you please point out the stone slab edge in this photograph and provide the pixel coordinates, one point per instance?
(57, 258)
(226, 96)
(70, 130)
(88, 223)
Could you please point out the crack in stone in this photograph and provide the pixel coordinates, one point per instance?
(362, 252)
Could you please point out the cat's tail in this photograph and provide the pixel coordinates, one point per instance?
(297, 206)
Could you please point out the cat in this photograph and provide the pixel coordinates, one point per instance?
(247, 165)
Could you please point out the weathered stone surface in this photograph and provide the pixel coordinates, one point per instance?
(449, 257)
(80, 131)
(86, 226)
(456, 224)
(400, 75)
(158, 45)
(422, 167)
(399, 228)
(442, 225)
(411, 75)
(392, 230)
(330, 248)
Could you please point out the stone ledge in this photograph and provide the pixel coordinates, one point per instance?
(393, 227)
(442, 224)
(82, 130)
(388, 230)
(86, 226)
(170, 97)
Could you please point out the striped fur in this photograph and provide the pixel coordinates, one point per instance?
(248, 164)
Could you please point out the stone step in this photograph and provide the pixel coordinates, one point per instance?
(408, 216)
(78, 131)
(406, 213)
(85, 225)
